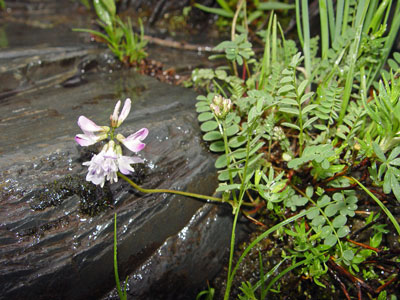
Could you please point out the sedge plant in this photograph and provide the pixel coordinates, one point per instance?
(119, 36)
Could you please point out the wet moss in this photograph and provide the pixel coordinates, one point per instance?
(93, 199)
(39, 231)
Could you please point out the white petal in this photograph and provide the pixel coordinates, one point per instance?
(114, 116)
(124, 163)
(85, 140)
(88, 126)
(125, 111)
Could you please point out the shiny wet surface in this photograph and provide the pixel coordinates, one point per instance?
(51, 247)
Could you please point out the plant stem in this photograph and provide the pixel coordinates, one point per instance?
(306, 33)
(353, 53)
(243, 188)
(187, 194)
(121, 294)
(233, 31)
(220, 88)
(228, 160)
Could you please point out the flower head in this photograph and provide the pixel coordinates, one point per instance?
(105, 165)
(221, 106)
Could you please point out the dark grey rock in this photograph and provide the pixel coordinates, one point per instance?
(56, 230)
(51, 245)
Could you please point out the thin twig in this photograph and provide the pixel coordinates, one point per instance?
(364, 245)
(384, 286)
(355, 280)
(342, 285)
(181, 45)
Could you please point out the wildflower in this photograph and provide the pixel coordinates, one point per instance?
(92, 132)
(133, 142)
(102, 166)
(221, 106)
(124, 162)
(105, 165)
(116, 120)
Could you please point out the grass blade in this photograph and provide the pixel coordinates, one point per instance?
(323, 13)
(381, 205)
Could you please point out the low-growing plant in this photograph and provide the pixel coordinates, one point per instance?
(291, 132)
(320, 107)
(256, 10)
(119, 36)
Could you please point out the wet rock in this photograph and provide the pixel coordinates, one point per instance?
(178, 268)
(56, 231)
(51, 246)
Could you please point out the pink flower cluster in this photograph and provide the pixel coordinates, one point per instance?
(105, 165)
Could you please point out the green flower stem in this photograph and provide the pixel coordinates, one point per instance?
(187, 194)
(121, 293)
(112, 133)
(228, 161)
(243, 188)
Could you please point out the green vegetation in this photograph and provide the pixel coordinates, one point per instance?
(119, 36)
(307, 138)
(303, 134)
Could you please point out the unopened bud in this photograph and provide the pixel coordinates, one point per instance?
(221, 106)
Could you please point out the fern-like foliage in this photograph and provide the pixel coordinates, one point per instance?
(385, 113)
(328, 100)
(293, 98)
(353, 122)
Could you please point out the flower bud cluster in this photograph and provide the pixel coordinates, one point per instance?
(105, 165)
(221, 106)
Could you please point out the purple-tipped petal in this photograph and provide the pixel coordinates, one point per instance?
(125, 111)
(134, 146)
(88, 126)
(85, 140)
(133, 142)
(141, 134)
(96, 174)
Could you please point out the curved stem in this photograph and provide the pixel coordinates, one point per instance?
(149, 191)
